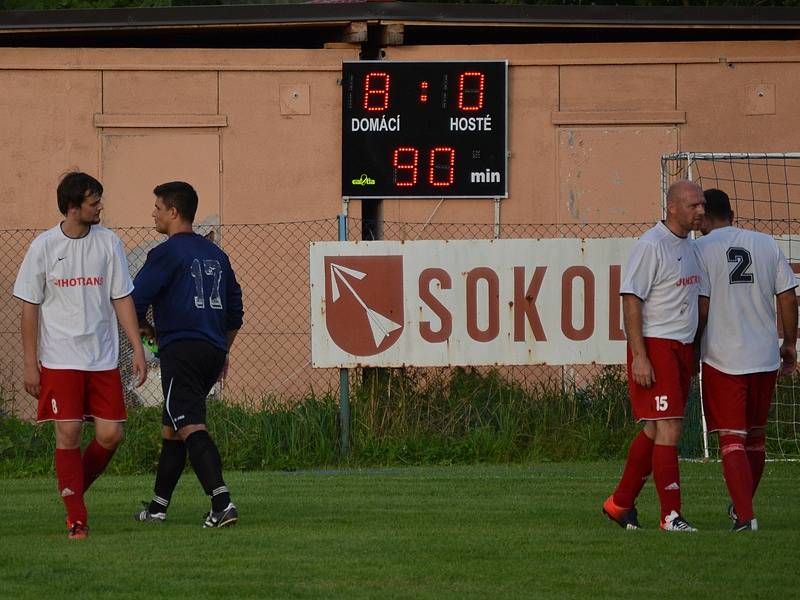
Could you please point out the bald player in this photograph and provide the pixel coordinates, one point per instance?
(659, 305)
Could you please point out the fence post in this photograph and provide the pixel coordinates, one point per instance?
(497, 218)
(344, 378)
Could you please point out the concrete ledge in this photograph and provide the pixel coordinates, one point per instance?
(618, 117)
(141, 121)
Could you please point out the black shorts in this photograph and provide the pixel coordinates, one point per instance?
(189, 369)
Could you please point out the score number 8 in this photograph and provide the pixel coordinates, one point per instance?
(470, 91)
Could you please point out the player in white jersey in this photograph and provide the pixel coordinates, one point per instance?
(74, 285)
(659, 305)
(744, 271)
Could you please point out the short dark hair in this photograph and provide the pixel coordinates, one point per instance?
(180, 196)
(74, 188)
(718, 205)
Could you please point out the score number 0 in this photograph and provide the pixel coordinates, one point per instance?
(441, 159)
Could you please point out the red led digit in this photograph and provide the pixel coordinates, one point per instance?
(470, 90)
(441, 172)
(423, 91)
(405, 162)
(376, 91)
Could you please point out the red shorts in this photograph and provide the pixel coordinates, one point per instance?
(737, 402)
(666, 398)
(72, 395)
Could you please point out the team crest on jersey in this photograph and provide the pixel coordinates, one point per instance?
(364, 302)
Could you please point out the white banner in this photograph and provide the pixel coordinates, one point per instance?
(467, 302)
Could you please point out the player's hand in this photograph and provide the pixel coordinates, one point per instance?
(32, 379)
(139, 368)
(788, 359)
(642, 371)
(224, 373)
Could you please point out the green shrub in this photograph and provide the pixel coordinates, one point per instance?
(398, 417)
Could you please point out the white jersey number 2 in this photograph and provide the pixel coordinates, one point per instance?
(743, 260)
(213, 269)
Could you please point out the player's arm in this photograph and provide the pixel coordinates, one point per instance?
(30, 289)
(126, 315)
(641, 369)
(702, 319)
(148, 285)
(29, 328)
(787, 301)
(235, 316)
(231, 335)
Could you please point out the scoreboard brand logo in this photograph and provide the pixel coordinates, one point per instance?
(364, 180)
(364, 302)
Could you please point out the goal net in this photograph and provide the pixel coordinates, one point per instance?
(764, 189)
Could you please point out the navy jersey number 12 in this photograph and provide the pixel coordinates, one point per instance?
(213, 269)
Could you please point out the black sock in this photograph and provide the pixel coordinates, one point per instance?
(207, 465)
(170, 468)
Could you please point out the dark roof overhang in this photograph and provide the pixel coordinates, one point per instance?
(314, 24)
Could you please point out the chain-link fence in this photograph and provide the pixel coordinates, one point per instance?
(272, 354)
(271, 358)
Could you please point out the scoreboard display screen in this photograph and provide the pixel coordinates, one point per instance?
(424, 129)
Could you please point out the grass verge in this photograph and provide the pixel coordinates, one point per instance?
(518, 531)
(398, 418)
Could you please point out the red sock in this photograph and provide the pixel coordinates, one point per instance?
(756, 456)
(69, 471)
(95, 461)
(667, 478)
(637, 468)
(736, 470)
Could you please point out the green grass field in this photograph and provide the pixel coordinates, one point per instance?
(520, 531)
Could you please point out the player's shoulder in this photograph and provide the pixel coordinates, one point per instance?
(48, 234)
(655, 235)
(660, 239)
(104, 233)
(46, 237)
(164, 248)
(192, 244)
(704, 242)
(753, 240)
(210, 245)
(760, 237)
(720, 236)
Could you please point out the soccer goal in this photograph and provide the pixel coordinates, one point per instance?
(764, 189)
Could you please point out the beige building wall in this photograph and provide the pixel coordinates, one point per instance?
(589, 122)
(258, 133)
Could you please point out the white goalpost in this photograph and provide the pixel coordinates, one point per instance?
(764, 188)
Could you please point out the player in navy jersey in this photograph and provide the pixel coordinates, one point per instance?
(197, 311)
